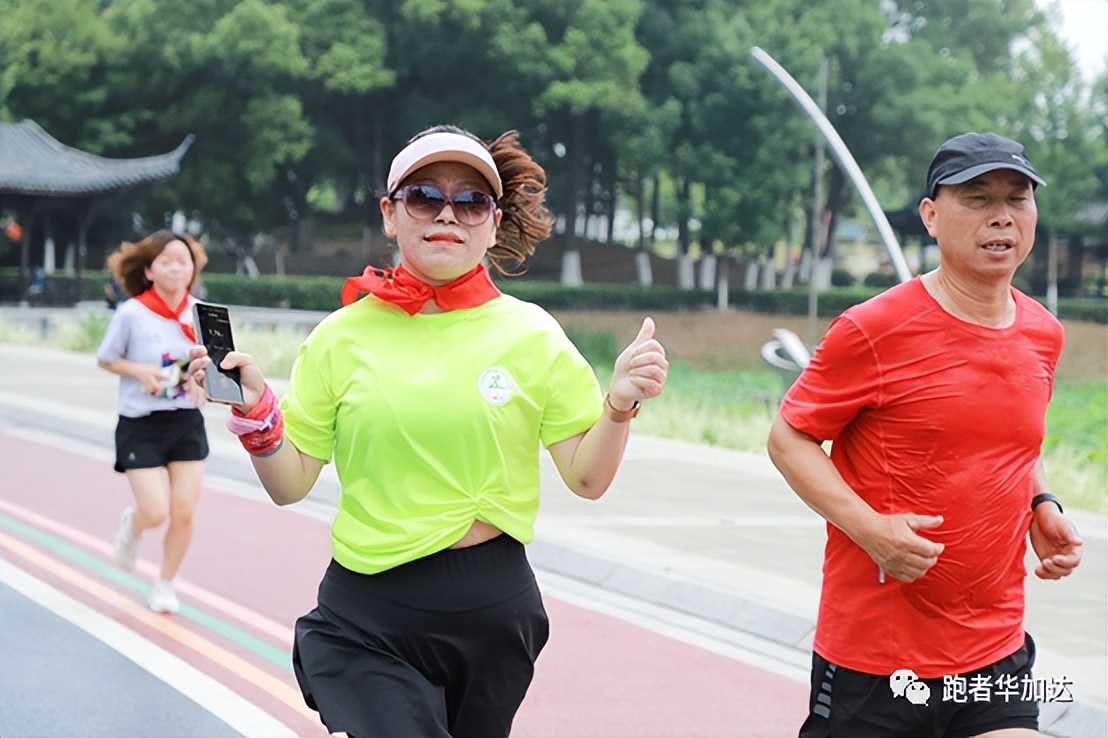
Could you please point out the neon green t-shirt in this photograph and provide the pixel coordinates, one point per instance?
(434, 421)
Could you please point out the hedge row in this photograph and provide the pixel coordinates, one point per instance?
(321, 293)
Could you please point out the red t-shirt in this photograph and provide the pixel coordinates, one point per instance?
(932, 415)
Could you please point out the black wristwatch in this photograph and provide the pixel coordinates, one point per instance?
(1045, 497)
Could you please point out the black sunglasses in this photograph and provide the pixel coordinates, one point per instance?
(425, 202)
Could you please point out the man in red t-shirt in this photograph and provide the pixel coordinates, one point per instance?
(934, 397)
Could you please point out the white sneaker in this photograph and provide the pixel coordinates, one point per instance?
(163, 598)
(126, 542)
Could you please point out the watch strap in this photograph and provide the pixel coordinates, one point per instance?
(1045, 497)
(619, 416)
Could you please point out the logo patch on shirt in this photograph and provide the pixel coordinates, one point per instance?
(496, 385)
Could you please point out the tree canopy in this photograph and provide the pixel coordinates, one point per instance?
(298, 105)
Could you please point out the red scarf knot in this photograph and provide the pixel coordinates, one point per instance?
(398, 286)
(155, 304)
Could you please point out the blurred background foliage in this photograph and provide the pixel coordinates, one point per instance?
(656, 107)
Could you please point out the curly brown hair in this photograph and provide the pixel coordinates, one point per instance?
(128, 264)
(526, 221)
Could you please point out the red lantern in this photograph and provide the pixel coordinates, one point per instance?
(14, 231)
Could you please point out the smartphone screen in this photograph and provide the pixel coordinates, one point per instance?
(214, 325)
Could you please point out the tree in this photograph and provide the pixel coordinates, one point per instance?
(593, 62)
(758, 160)
(1066, 139)
(1001, 67)
(344, 45)
(640, 137)
(225, 72)
(55, 65)
(662, 100)
(681, 37)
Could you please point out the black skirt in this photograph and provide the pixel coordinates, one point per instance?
(442, 646)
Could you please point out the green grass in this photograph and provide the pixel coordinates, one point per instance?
(1075, 452)
(10, 333)
(728, 409)
(274, 350)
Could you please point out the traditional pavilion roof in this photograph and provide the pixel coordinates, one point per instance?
(32, 162)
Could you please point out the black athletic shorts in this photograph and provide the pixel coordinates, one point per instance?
(852, 704)
(159, 438)
(442, 646)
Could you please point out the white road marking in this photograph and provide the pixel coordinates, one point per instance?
(237, 712)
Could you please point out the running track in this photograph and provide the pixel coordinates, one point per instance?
(252, 570)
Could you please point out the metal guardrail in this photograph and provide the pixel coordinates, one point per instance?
(44, 321)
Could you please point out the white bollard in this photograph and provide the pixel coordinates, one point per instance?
(750, 278)
(769, 275)
(708, 272)
(642, 269)
(684, 272)
(571, 269)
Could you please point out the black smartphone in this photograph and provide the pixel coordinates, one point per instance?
(213, 323)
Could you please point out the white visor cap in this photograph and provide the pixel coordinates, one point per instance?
(445, 146)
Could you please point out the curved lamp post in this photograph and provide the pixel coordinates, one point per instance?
(843, 157)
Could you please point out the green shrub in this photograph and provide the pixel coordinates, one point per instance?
(599, 347)
(85, 335)
(322, 293)
(795, 302)
(63, 287)
(842, 278)
(1089, 311)
(552, 296)
(301, 293)
(883, 281)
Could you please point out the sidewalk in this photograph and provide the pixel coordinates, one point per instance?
(711, 535)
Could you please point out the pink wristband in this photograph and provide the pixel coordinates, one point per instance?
(261, 430)
(258, 419)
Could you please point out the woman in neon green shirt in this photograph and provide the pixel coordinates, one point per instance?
(431, 394)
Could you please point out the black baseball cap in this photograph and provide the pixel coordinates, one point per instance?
(970, 155)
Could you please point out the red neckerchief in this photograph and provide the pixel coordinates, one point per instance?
(155, 304)
(399, 287)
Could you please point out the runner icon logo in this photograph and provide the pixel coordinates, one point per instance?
(496, 385)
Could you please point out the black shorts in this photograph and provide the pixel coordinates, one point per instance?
(159, 438)
(442, 646)
(852, 704)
